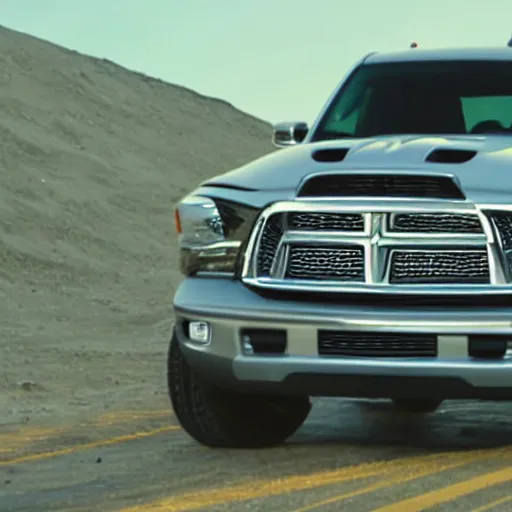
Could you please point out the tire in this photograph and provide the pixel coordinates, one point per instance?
(417, 406)
(221, 418)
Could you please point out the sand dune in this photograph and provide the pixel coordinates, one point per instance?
(92, 158)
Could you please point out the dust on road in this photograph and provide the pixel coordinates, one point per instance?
(357, 455)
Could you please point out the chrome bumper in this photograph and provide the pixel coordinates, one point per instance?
(229, 307)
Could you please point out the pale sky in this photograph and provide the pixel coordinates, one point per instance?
(277, 59)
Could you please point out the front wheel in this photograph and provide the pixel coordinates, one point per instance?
(417, 406)
(218, 417)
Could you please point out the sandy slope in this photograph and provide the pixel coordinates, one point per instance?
(92, 158)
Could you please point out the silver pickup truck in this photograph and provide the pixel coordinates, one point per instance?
(371, 257)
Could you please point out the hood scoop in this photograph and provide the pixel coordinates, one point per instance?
(450, 156)
(381, 185)
(334, 155)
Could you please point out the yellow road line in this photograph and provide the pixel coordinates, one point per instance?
(81, 447)
(21, 438)
(414, 472)
(267, 488)
(450, 493)
(493, 504)
(16, 439)
(127, 416)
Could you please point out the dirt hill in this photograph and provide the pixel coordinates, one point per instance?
(92, 158)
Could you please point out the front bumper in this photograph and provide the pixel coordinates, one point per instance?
(229, 307)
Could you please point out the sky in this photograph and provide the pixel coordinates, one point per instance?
(276, 59)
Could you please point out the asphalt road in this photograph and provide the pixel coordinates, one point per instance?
(349, 456)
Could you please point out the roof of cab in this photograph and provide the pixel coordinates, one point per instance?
(417, 54)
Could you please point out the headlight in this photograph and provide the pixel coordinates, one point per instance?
(211, 233)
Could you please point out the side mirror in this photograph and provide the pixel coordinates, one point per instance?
(289, 134)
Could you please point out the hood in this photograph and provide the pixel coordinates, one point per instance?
(481, 164)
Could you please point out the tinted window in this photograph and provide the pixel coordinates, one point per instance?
(440, 98)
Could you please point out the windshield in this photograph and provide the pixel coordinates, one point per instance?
(438, 97)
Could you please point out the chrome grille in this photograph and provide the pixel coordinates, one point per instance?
(380, 246)
(376, 344)
(310, 262)
(442, 267)
(435, 223)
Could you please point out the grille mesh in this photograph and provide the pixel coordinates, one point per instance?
(325, 221)
(503, 222)
(340, 263)
(435, 223)
(269, 242)
(376, 344)
(441, 267)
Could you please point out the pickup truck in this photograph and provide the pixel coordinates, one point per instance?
(369, 257)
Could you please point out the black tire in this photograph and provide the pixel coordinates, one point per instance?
(221, 418)
(417, 406)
